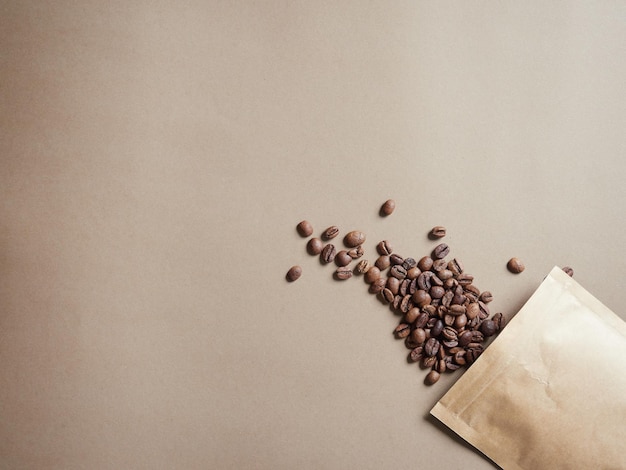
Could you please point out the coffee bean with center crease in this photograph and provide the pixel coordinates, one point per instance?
(441, 251)
(330, 233)
(409, 263)
(499, 321)
(328, 253)
(362, 266)
(377, 286)
(485, 297)
(395, 259)
(343, 273)
(438, 231)
(402, 330)
(384, 248)
(354, 238)
(431, 347)
(455, 266)
(416, 354)
(398, 271)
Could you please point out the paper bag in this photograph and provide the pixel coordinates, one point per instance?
(550, 390)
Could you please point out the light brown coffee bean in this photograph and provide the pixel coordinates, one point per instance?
(438, 232)
(455, 266)
(441, 251)
(294, 273)
(388, 207)
(398, 272)
(343, 273)
(382, 262)
(304, 228)
(342, 258)
(328, 253)
(485, 297)
(425, 263)
(421, 298)
(418, 335)
(362, 267)
(515, 265)
(377, 286)
(314, 246)
(372, 274)
(354, 238)
(393, 285)
(330, 233)
(384, 248)
(416, 354)
(402, 330)
(356, 253)
(432, 377)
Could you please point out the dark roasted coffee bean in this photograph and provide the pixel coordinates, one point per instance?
(437, 231)
(402, 330)
(416, 354)
(372, 274)
(456, 309)
(459, 358)
(314, 246)
(398, 271)
(477, 337)
(488, 328)
(424, 280)
(472, 310)
(330, 233)
(421, 298)
(450, 343)
(388, 207)
(377, 286)
(431, 322)
(436, 292)
(455, 266)
(439, 265)
(409, 263)
(437, 328)
(460, 322)
(342, 273)
(448, 319)
(356, 253)
(406, 304)
(384, 248)
(432, 377)
(354, 239)
(465, 338)
(342, 258)
(421, 320)
(428, 361)
(431, 347)
(328, 253)
(294, 273)
(395, 259)
(449, 333)
(485, 297)
(441, 251)
(515, 265)
(382, 262)
(569, 271)
(431, 310)
(450, 365)
(499, 320)
(425, 263)
(304, 228)
(418, 335)
(362, 267)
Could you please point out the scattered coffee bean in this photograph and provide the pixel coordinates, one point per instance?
(330, 233)
(569, 271)
(362, 266)
(342, 258)
(438, 232)
(402, 330)
(314, 246)
(304, 228)
(372, 274)
(441, 251)
(485, 297)
(343, 273)
(425, 263)
(388, 207)
(384, 248)
(515, 266)
(377, 286)
(382, 262)
(354, 238)
(294, 273)
(328, 253)
(395, 259)
(432, 377)
(356, 253)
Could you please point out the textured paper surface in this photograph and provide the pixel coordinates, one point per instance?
(548, 393)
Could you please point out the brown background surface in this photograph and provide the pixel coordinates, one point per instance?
(156, 157)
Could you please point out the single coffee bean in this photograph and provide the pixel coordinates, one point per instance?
(354, 238)
(431, 347)
(445, 274)
(569, 271)
(397, 299)
(372, 274)
(409, 263)
(448, 319)
(457, 310)
(419, 336)
(432, 377)
(393, 285)
(449, 333)
(406, 304)
(328, 253)
(431, 310)
(450, 343)
(398, 271)
(416, 354)
(412, 315)
(382, 262)
(421, 320)
(459, 357)
(421, 298)
(356, 253)
(377, 286)
(330, 233)
(402, 330)
(439, 264)
(488, 328)
(465, 338)
(343, 273)
(477, 337)
(471, 292)
(388, 207)
(388, 296)
(384, 248)
(455, 266)
(483, 310)
(499, 320)
(304, 228)
(438, 232)
(294, 273)
(424, 280)
(342, 258)
(395, 259)
(314, 246)
(428, 361)
(465, 279)
(409, 343)
(437, 328)
(485, 297)
(460, 322)
(441, 251)
(404, 287)
(413, 272)
(450, 365)
(425, 263)
(437, 292)
(362, 267)
(515, 265)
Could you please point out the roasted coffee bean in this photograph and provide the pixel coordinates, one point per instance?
(294, 273)
(413, 272)
(483, 310)
(404, 287)
(471, 292)
(437, 328)
(356, 253)
(488, 328)
(421, 298)
(448, 319)
(342, 258)
(328, 253)
(409, 263)
(354, 239)
(382, 262)
(449, 333)
(460, 322)
(412, 315)
(465, 279)
(304, 228)
(431, 347)
(449, 343)
(441, 251)
(388, 296)
(450, 365)
(465, 338)
(343, 273)
(438, 232)
(377, 286)
(362, 266)
(425, 263)
(459, 357)
(395, 259)
(424, 280)
(485, 297)
(402, 330)
(409, 343)
(431, 310)
(388, 207)
(314, 246)
(455, 266)
(372, 274)
(421, 320)
(445, 274)
(431, 322)
(477, 337)
(439, 265)
(398, 271)
(418, 335)
(515, 265)
(416, 354)
(330, 233)
(406, 304)
(499, 320)
(432, 377)
(440, 366)
(471, 310)
(457, 309)
(569, 271)
(393, 285)
(437, 292)
(446, 300)
(384, 248)
(428, 361)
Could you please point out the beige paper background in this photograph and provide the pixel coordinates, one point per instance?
(156, 157)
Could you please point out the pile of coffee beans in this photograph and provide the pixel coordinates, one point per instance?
(445, 319)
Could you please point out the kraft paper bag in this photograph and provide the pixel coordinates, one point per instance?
(550, 390)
